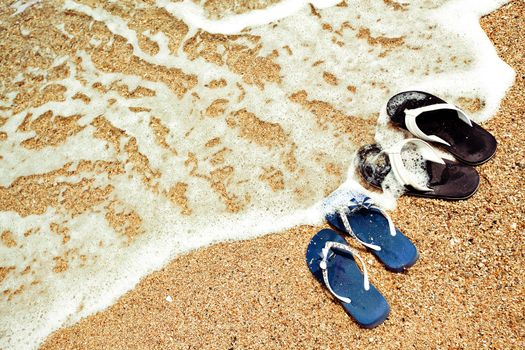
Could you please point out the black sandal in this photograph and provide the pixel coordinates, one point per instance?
(447, 180)
(432, 119)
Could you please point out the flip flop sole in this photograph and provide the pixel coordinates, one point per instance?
(367, 307)
(470, 145)
(397, 252)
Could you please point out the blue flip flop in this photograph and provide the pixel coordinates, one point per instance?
(372, 227)
(333, 263)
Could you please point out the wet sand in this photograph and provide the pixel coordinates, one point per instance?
(466, 291)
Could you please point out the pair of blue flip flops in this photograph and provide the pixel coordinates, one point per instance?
(334, 263)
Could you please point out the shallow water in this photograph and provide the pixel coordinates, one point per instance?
(129, 136)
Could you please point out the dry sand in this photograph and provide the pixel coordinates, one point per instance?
(466, 292)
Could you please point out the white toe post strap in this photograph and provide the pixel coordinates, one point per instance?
(412, 114)
(333, 247)
(404, 176)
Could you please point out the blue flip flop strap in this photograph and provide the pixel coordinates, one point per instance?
(412, 114)
(331, 246)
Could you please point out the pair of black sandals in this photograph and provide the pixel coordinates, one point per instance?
(431, 119)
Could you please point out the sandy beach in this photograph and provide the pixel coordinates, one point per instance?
(467, 291)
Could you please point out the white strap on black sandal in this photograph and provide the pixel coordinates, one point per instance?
(412, 114)
(401, 173)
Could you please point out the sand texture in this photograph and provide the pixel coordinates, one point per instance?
(129, 137)
(466, 292)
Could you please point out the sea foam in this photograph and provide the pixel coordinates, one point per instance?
(263, 151)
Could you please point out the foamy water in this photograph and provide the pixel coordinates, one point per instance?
(143, 138)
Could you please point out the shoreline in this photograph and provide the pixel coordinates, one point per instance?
(466, 291)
